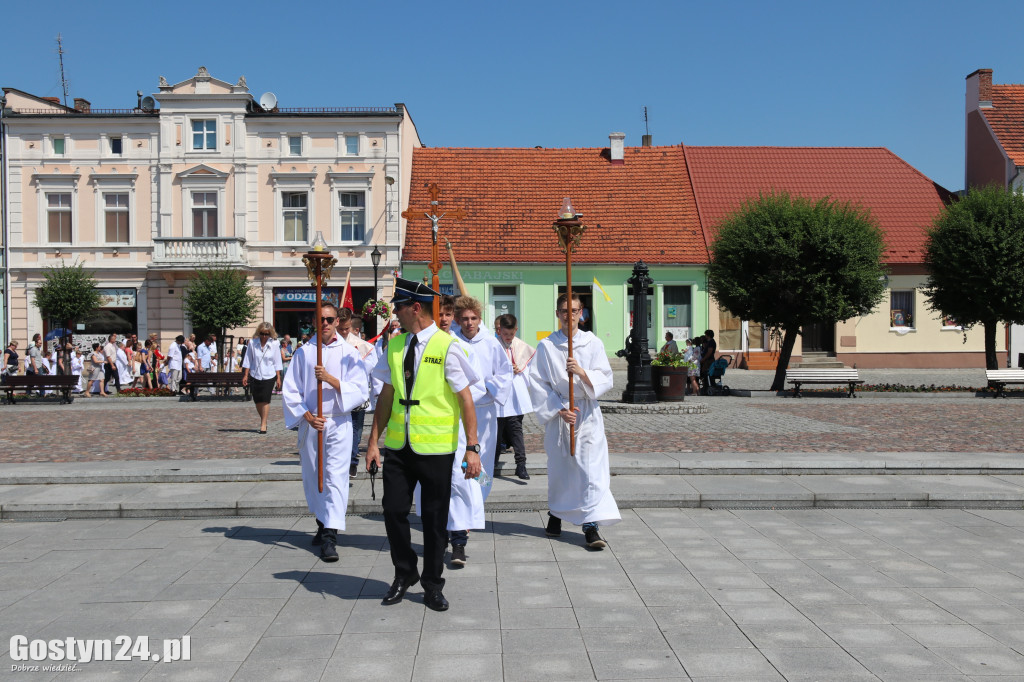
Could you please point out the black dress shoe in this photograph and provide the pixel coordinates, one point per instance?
(435, 600)
(397, 591)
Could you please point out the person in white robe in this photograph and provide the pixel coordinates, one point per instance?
(466, 506)
(579, 483)
(492, 390)
(77, 365)
(344, 389)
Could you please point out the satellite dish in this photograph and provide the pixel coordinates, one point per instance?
(268, 101)
(148, 103)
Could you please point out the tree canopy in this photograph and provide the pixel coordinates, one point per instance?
(975, 259)
(68, 294)
(220, 299)
(789, 261)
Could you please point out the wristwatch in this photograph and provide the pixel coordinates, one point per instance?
(473, 448)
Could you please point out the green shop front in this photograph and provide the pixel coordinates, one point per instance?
(677, 301)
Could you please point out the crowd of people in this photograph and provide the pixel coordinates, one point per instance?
(700, 352)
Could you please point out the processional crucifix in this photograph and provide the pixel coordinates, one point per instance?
(435, 255)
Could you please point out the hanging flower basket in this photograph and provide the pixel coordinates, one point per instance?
(377, 308)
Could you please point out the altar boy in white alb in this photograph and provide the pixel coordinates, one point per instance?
(579, 487)
(492, 390)
(344, 389)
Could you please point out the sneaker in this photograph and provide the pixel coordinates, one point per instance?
(353, 471)
(458, 555)
(554, 528)
(592, 538)
(522, 473)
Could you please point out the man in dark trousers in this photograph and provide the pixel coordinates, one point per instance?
(710, 347)
(426, 378)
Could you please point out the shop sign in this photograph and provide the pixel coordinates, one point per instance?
(117, 298)
(492, 276)
(305, 295)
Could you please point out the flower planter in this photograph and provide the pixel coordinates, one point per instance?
(669, 383)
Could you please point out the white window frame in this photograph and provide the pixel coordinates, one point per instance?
(358, 143)
(351, 182)
(302, 144)
(206, 209)
(112, 183)
(118, 210)
(492, 309)
(295, 211)
(192, 133)
(293, 182)
(55, 183)
(660, 323)
(913, 313)
(349, 211)
(110, 146)
(210, 181)
(70, 210)
(48, 142)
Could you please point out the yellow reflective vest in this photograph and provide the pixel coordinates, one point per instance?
(433, 408)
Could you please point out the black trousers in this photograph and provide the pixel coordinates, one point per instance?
(510, 431)
(109, 372)
(403, 469)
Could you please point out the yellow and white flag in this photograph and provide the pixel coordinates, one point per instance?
(601, 289)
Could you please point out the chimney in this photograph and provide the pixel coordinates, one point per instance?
(617, 142)
(82, 106)
(979, 90)
(647, 140)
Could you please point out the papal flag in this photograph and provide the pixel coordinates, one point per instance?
(601, 289)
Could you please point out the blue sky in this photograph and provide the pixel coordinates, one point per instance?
(558, 74)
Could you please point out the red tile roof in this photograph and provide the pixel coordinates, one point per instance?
(644, 207)
(902, 199)
(1006, 116)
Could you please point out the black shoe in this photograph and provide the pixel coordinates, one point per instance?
(458, 555)
(353, 470)
(328, 551)
(522, 473)
(554, 528)
(397, 591)
(318, 539)
(592, 538)
(435, 600)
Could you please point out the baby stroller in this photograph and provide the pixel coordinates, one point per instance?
(715, 374)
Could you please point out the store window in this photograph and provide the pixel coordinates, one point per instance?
(505, 300)
(677, 311)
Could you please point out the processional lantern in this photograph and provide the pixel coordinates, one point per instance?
(319, 262)
(569, 229)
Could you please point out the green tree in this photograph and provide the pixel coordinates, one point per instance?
(975, 259)
(789, 261)
(220, 299)
(67, 295)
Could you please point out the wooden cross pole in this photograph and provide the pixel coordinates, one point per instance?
(570, 230)
(435, 255)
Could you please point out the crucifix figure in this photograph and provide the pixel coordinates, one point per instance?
(432, 215)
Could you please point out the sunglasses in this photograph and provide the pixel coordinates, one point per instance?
(327, 319)
(575, 311)
(264, 333)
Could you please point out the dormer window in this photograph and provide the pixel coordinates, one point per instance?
(204, 134)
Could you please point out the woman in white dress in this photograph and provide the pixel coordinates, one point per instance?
(124, 368)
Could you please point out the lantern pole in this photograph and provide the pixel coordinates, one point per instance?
(319, 263)
(569, 229)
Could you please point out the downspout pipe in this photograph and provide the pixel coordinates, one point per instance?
(4, 200)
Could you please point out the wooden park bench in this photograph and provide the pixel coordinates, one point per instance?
(823, 376)
(1000, 377)
(64, 383)
(215, 380)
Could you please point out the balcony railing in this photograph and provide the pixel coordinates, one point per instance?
(199, 251)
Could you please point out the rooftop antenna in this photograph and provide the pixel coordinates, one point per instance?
(647, 130)
(60, 58)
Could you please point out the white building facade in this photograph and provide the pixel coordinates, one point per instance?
(198, 175)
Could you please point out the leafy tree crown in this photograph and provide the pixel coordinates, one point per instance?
(68, 293)
(220, 298)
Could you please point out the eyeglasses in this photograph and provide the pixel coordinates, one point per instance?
(575, 311)
(327, 319)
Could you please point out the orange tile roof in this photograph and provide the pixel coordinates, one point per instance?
(644, 207)
(902, 199)
(1006, 116)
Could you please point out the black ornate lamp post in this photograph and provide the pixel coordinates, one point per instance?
(375, 259)
(639, 388)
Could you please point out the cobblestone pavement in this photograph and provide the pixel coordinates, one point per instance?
(112, 429)
(679, 594)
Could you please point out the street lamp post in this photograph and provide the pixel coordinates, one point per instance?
(375, 259)
(319, 263)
